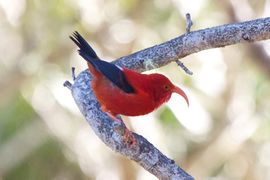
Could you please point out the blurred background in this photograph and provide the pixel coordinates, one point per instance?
(224, 134)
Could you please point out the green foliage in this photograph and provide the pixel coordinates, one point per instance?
(14, 116)
(47, 162)
(168, 120)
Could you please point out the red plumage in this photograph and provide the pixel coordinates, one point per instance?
(124, 91)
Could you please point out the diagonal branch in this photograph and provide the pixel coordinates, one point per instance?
(111, 132)
(189, 43)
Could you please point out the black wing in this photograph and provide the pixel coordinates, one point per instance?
(111, 71)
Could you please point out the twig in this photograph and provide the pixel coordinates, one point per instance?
(189, 23)
(68, 85)
(179, 63)
(195, 41)
(73, 73)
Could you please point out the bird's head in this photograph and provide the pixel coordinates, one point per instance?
(163, 89)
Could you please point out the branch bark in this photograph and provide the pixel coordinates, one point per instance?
(220, 36)
(111, 132)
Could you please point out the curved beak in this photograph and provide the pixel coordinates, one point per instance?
(181, 92)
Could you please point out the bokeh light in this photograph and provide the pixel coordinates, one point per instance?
(224, 134)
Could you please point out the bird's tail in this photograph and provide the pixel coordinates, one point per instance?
(85, 49)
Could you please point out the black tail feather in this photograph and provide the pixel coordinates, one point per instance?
(85, 49)
(112, 72)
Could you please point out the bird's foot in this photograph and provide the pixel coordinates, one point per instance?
(112, 116)
(129, 138)
(115, 118)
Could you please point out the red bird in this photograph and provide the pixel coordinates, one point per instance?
(124, 91)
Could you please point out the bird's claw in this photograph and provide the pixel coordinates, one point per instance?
(129, 138)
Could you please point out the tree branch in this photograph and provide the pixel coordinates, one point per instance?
(111, 132)
(196, 41)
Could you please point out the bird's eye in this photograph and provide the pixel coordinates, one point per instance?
(166, 87)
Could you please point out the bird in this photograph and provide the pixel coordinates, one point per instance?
(122, 91)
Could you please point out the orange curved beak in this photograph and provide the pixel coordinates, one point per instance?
(181, 92)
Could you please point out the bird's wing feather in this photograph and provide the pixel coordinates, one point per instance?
(110, 71)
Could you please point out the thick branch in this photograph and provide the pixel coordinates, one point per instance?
(111, 132)
(196, 41)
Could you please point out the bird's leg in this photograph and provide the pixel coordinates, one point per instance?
(128, 136)
(115, 117)
(112, 116)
